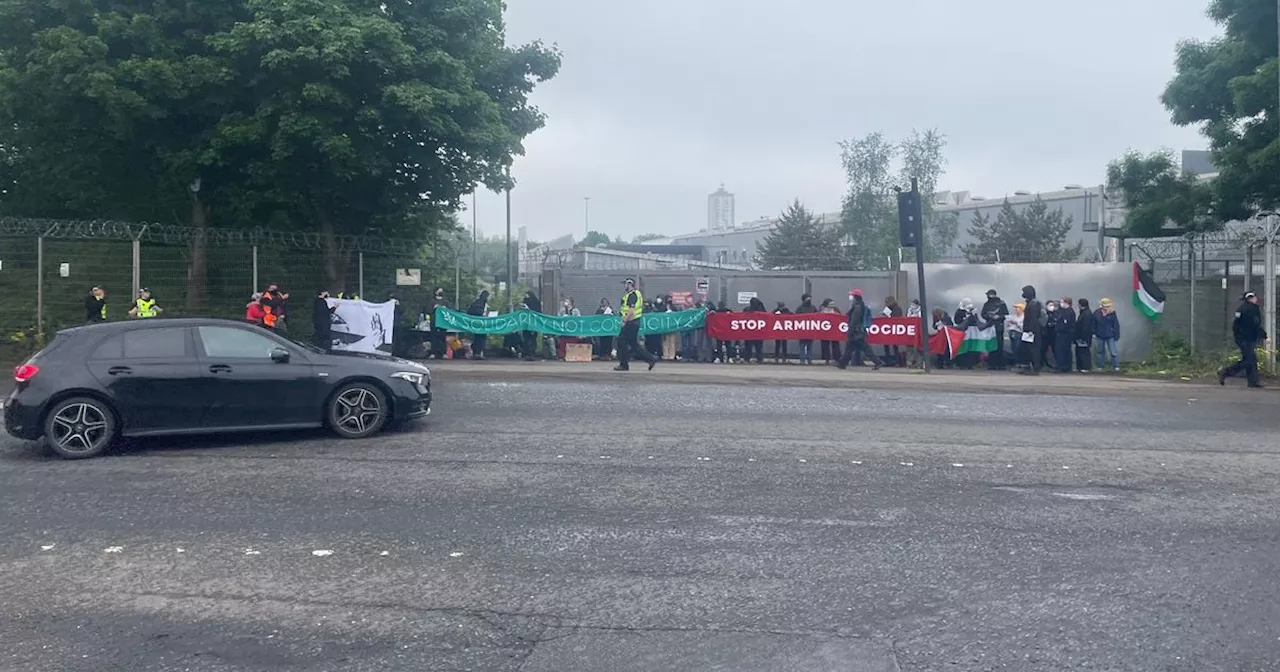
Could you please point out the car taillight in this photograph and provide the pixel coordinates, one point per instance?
(24, 372)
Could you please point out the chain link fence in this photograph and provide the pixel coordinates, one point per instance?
(48, 267)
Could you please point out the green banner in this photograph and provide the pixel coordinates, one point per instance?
(586, 326)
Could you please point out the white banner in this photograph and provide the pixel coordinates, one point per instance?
(360, 326)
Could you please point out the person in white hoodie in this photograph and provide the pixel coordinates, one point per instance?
(1013, 325)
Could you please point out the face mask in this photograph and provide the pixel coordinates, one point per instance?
(1052, 309)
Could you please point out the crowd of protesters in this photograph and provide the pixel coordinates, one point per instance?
(1064, 336)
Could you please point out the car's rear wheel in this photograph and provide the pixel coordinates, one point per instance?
(358, 410)
(80, 427)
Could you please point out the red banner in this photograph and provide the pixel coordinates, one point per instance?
(810, 326)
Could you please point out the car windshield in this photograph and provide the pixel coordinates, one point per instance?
(300, 343)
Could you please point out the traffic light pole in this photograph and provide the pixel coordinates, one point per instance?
(924, 305)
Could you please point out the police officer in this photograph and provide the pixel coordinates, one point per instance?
(631, 309)
(95, 306)
(1249, 332)
(145, 306)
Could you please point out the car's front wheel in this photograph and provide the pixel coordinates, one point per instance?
(358, 410)
(80, 427)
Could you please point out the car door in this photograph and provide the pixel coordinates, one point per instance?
(152, 377)
(247, 387)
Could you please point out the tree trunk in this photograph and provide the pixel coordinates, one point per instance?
(197, 267)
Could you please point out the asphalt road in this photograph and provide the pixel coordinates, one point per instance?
(630, 525)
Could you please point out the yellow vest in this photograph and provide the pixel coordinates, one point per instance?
(104, 310)
(146, 308)
(633, 295)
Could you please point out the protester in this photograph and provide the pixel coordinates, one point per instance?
(530, 339)
(1106, 329)
(830, 349)
(892, 353)
(941, 320)
(1033, 324)
(1013, 324)
(438, 345)
(754, 348)
(780, 347)
(996, 311)
(322, 321)
(479, 308)
(275, 307)
(806, 307)
(1064, 337)
(859, 321)
(1084, 337)
(965, 318)
(1050, 339)
(604, 344)
(253, 312)
(95, 306)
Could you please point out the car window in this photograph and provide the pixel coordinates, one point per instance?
(165, 343)
(236, 343)
(112, 348)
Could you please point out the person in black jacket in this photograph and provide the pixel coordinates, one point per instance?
(859, 319)
(1249, 332)
(1033, 324)
(322, 320)
(780, 347)
(1064, 337)
(995, 311)
(806, 307)
(95, 306)
(479, 308)
(529, 347)
(1084, 337)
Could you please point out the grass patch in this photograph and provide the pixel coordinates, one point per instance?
(1171, 357)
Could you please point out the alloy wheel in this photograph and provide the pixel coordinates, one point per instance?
(358, 410)
(80, 428)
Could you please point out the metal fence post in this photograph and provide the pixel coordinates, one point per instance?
(137, 264)
(39, 285)
(1191, 265)
(361, 257)
(254, 289)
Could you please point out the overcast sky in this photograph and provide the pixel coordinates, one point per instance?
(659, 102)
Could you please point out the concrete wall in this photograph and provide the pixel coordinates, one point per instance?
(947, 284)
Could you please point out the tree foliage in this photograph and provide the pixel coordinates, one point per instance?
(869, 213)
(1031, 234)
(646, 237)
(1161, 199)
(1227, 87)
(594, 239)
(801, 243)
(338, 116)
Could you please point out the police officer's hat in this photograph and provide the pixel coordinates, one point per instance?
(629, 281)
(144, 289)
(1248, 295)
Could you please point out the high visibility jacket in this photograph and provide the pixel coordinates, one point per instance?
(633, 299)
(269, 317)
(342, 295)
(146, 308)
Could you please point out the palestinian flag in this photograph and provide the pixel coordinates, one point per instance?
(1147, 297)
(979, 339)
(946, 342)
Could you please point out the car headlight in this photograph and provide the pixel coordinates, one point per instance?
(415, 377)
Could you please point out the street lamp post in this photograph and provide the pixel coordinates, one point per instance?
(586, 215)
(510, 274)
(473, 234)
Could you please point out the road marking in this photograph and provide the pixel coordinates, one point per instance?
(1082, 496)
(456, 554)
(250, 551)
(956, 464)
(856, 462)
(48, 547)
(385, 553)
(321, 553)
(113, 549)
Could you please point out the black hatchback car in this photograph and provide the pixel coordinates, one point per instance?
(152, 377)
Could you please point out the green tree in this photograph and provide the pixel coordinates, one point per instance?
(646, 237)
(335, 116)
(1160, 199)
(594, 239)
(1031, 234)
(1227, 87)
(801, 243)
(870, 210)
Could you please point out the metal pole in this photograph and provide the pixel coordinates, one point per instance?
(586, 215)
(39, 285)
(474, 216)
(457, 282)
(510, 275)
(137, 264)
(255, 270)
(1248, 266)
(1191, 265)
(1269, 289)
(924, 304)
(360, 256)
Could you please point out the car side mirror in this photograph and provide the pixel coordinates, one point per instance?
(280, 355)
